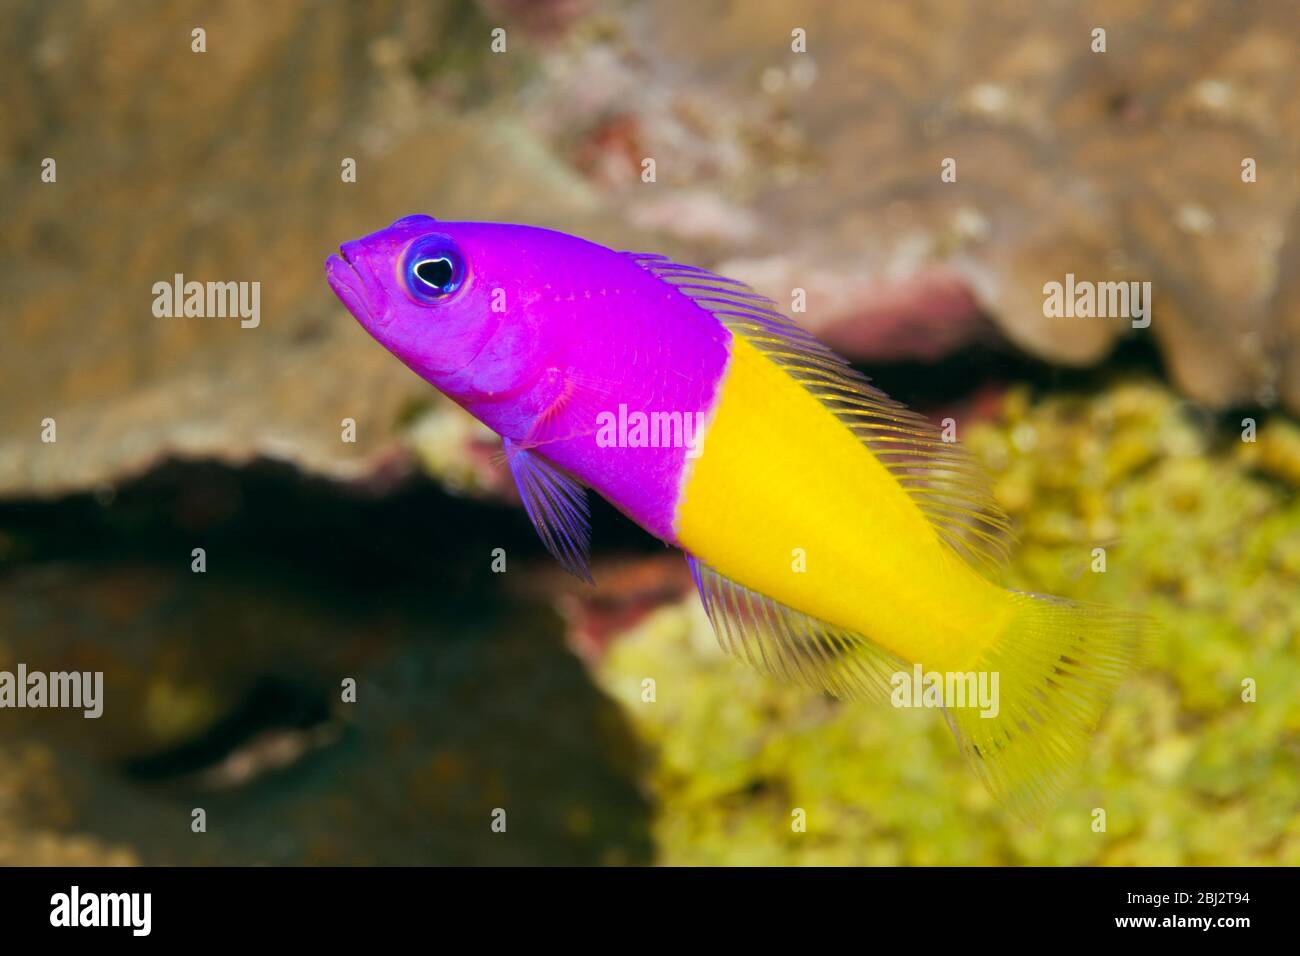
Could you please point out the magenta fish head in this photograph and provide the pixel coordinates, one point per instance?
(435, 294)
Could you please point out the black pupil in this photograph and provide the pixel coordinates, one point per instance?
(434, 272)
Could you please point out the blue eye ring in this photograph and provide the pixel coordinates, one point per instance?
(434, 269)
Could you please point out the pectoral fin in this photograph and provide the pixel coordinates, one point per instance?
(557, 505)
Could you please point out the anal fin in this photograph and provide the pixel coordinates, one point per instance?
(790, 645)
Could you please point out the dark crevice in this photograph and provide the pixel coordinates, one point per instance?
(270, 515)
(960, 375)
(274, 704)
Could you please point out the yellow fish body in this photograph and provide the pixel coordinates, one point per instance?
(864, 544)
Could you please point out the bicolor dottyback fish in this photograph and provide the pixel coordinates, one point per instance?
(835, 538)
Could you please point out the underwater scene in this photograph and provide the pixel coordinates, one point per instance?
(363, 502)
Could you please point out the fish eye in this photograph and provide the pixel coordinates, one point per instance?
(434, 268)
(435, 273)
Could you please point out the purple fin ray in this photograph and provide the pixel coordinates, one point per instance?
(557, 506)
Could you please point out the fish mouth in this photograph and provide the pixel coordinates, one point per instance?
(356, 287)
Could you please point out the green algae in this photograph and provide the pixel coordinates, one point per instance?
(1200, 530)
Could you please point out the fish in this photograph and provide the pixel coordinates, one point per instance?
(836, 538)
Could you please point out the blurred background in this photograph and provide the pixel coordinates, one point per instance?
(370, 560)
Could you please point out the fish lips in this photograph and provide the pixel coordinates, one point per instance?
(357, 287)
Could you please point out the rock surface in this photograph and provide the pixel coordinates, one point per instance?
(224, 690)
(818, 170)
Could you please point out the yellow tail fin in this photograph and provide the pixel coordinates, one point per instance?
(1058, 663)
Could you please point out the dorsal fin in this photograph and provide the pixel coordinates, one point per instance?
(943, 479)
